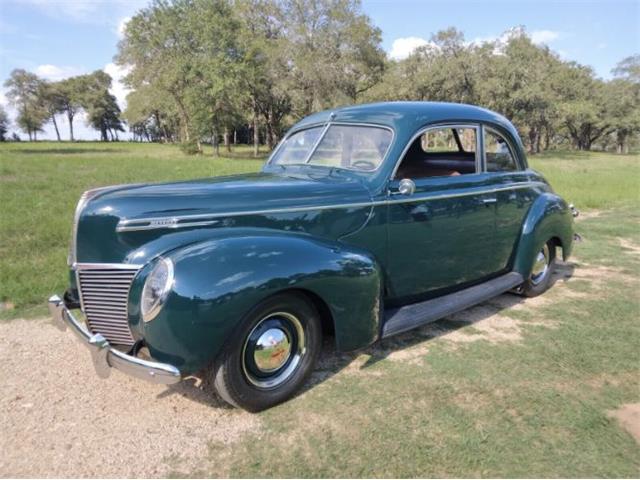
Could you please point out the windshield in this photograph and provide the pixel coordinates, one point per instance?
(353, 147)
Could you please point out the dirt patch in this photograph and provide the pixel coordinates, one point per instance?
(490, 321)
(588, 214)
(628, 416)
(629, 246)
(59, 420)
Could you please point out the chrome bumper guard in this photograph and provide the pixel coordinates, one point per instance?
(104, 357)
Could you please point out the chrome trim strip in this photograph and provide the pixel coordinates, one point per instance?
(106, 266)
(139, 224)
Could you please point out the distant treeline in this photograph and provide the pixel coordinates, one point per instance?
(205, 71)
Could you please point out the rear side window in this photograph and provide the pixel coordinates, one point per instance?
(498, 154)
(449, 140)
(447, 151)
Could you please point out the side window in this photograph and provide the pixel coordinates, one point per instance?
(497, 153)
(440, 152)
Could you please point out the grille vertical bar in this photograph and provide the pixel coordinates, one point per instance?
(104, 293)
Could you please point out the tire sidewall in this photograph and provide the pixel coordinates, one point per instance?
(229, 377)
(532, 290)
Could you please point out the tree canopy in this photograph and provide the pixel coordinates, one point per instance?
(204, 70)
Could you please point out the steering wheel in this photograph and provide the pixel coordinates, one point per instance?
(364, 165)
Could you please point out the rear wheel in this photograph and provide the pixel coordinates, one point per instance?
(271, 355)
(540, 279)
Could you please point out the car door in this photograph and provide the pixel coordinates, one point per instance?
(441, 230)
(514, 193)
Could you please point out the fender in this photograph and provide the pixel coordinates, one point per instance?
(549, 217)
(218, 280)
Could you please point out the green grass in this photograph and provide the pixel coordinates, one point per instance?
(40, 184)
(536, 407)
(592, 179)
(418, 404)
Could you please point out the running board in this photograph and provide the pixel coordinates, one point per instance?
(407, 317)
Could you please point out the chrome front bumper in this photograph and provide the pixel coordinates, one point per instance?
(104, 357)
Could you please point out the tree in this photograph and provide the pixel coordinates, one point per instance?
(582, 105)
(333, 53)
(24, 90)
(101, 106)
(4, 124)
(622, 96)
(628, 68)
(151, 115)
(53, 102)
(521, 87)
(70, 96)
(185, 50)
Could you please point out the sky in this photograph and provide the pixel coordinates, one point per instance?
(61, 38)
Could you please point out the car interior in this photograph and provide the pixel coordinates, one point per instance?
(440, 152)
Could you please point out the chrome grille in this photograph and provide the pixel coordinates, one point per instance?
(104, 291)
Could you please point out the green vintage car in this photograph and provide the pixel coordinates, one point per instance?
(365, 222)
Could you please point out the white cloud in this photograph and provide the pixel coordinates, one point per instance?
(55, 72)
(122, 24)
(403, 47)
(544, 36)
(118, 88)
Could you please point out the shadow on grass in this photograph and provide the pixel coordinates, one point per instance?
(331, 362)
(67, 151)
(241, 156)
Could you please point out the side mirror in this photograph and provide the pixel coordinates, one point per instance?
(406, 187)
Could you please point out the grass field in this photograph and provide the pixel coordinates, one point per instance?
(509, 388)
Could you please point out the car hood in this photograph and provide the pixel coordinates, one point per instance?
(121, 219)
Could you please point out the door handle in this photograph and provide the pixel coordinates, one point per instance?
(490, 200)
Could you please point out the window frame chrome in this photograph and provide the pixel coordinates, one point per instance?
(439, 126)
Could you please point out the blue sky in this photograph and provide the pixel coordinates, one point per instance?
(60, 38)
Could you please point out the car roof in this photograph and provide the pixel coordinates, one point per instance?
(399, 115)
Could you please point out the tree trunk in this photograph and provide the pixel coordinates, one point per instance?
(270, 136)
(55, 125)
(621, 143)
(546, 138)
(226, 138)
(256, 130)
(235, 136)
(70, 117)
(533, 140)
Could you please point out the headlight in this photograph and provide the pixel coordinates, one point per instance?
(156, 288)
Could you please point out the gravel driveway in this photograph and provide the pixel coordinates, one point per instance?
(59, 420)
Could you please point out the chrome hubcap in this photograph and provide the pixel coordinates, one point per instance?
(273, 350)
(540, 266)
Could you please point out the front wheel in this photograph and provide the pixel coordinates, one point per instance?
(540, 279)
(271, 355)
